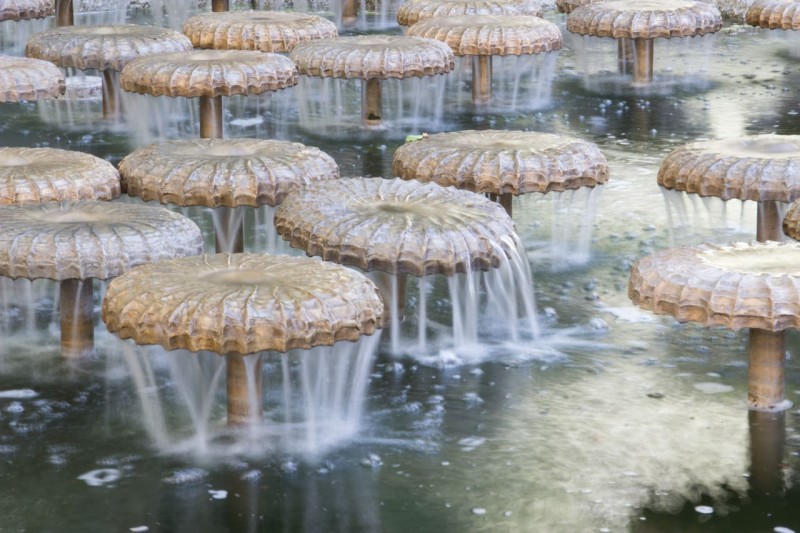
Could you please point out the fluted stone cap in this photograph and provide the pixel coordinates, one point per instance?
(23, 78)
(739, 285)
(373, 56)
(103, 47)
(775, 14)
(25, 9)
(791, 221)
(39, 175)
(759, 168)
(209, 73)
(81, 240)
(224, 172)
(396, 226)
(412, 11)
(498, 162)
(491, 34)
(567, 6)
(266, 31)
(645, 19)
(242, 303)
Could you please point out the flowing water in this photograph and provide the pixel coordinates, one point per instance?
(608, 419)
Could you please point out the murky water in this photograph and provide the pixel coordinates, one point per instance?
(612, 420)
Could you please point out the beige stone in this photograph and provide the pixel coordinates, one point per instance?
(775, 14)
(25, 9)
(412, 11)
(23, 78)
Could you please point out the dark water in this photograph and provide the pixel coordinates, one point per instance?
(616, 420)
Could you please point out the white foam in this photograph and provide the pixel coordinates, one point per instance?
(18, 394)
(101, 476)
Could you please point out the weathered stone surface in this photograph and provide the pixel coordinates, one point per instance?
(413, 11)
(23, 78)
(775, 14)
(25, 9)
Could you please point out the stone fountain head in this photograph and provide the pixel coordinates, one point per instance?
(209, 75)
(25, 9)
(104, 48)
(485, 36)
(240, 304)
(739, 286)
(774, 14)
(73, 242)
(29, 79)
(414, 11)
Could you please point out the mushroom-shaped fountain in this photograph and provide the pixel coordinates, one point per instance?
(774, 14)
(29, 79)
(224, 173)
(241, 304)
(399, 227)
(40, 175)
(372, 58)
(502, 163)
(413, 11)
(266, 31)
(104, 48)
(738, 286)
(73, 242)
(637, 23)
(25, 9)
(761, 168)
(484, 36)
(209, 75)
(567, 6)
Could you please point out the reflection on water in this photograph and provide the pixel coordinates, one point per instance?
(613, 420)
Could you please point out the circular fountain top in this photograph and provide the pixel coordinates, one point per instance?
(645, 19)
(242, 303)
(39, 175)
(737, 285)
(413, 11)
(775, 14)
(209, 73)
(502, 161)
(103, 47)
(759, 168)
(81, 240)
(267, 31)
(22, 78)
(567, 6)
(25, 9)
(373, 56)
(396, 226)
(491, 34)
(224, 172)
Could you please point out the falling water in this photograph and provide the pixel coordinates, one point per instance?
(692, 218)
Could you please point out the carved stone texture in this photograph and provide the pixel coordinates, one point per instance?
(396, 226)
(501, 162)
(22, 78)
(413, 11)
(224, 172)
(209, 73)
(81, 240)
(567, 6)
(740, 285)
(775, 14)
(103, 47)
(25, 9)
(645, 19)
(242, 303)
(39, 175)
(759, 168)
(373, 56)
(489, 35)
(791, 221)
(266, 31)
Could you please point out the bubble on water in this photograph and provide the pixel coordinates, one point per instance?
(100, 477)
(709, 387)
(704, 509)
(478, 511)
(436, 399)
(18, 394)
(14, 408)
(598, 324)
(470, 443)
(371, 461)
(186, 476)
(218, 494)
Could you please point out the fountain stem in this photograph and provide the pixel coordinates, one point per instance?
(229, 230)
(643, 68)
(77, 317)
(211, 117)
(245, 389)
(110, 93)
(218, 6)
(481, 79)
(767, 437)
(625, 56)
(65, 13)
(371, 102)
(765, 380)
(349, 12)
(769, 225)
